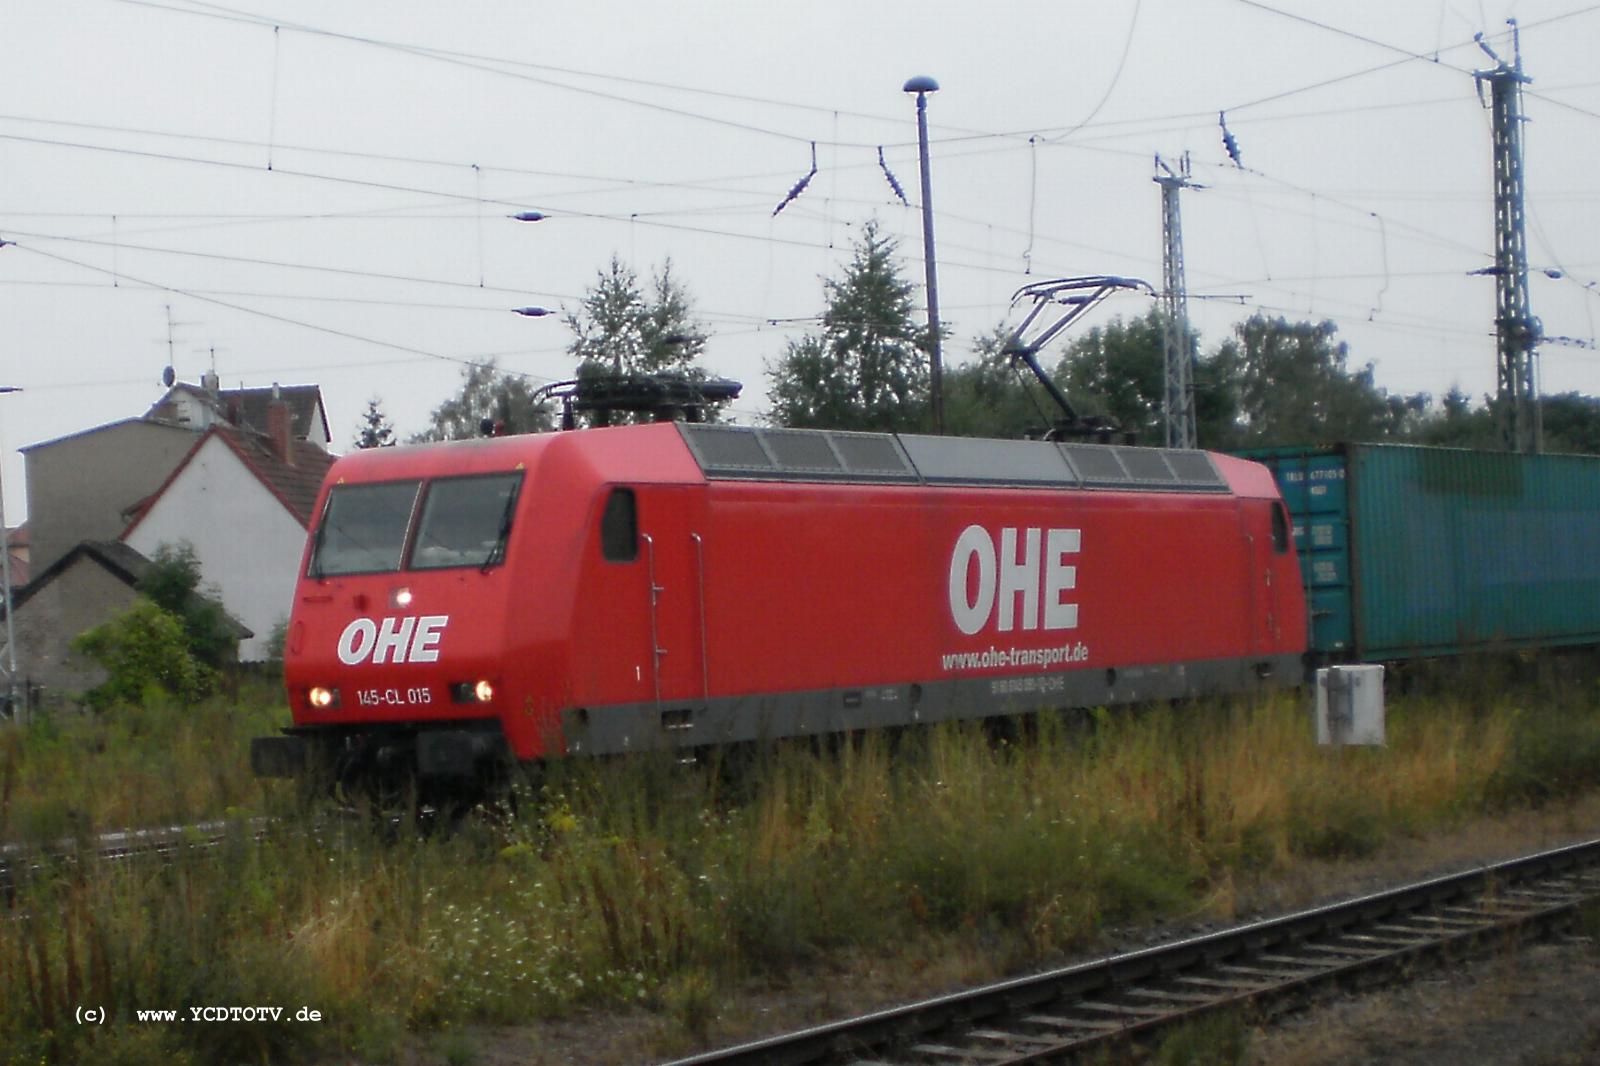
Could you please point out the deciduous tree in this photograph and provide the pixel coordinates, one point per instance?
(487, 395)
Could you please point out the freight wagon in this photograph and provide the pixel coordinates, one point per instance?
(1410, 551)
(679, 585)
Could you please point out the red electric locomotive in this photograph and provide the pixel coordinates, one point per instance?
(675, 585)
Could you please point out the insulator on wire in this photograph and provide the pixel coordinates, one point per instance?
(893, 184)
(1228, 142)
(799, 186)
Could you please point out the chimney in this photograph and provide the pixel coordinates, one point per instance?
(279, 430)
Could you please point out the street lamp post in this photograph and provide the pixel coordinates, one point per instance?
(922, 86)
(5, 575)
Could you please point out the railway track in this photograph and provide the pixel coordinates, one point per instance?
(1262, 968)
(123, 845)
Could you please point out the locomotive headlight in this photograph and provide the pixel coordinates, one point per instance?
(323, 699)
(400, 598)
(480, 691)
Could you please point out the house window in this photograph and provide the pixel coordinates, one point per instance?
(619, 527)
(466, 521)
(363, 529)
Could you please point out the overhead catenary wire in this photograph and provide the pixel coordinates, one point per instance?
(476, 204)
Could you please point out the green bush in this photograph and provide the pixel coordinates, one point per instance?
(173, 584)
(145, 652)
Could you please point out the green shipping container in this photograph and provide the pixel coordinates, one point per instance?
(1409, 551)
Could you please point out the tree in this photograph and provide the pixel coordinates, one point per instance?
(620, 329)
(1455, 423)
(173, 584)
(991, 396)
(1295, 388)
(143, 651)
(867, 368)
(1571, 423)
(376, 429)
(1118, 372)
(486, 395)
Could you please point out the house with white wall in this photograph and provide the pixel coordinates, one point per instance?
(234, 472)
(243, 501)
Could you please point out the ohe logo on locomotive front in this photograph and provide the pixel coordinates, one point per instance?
(1020, 584)
(396, 640)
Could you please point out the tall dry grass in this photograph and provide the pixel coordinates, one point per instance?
(641, 882)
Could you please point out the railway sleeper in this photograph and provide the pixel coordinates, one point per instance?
(1313, 967)
(1349, 951)
(1294, 970)
(1223, 984)
(1000, 1036)
(1173, 997)
(1395, 942)
(1551, 897)
(945, 1051)
(1128, 1009)
(1074, 1025)
(1492, 911)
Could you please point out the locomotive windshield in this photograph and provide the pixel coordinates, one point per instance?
(363, 530)
(464, 521)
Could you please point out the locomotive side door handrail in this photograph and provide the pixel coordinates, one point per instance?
(656, 650)
(700, 588)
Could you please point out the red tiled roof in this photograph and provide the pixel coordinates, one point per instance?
(294, 485)
(305, 409)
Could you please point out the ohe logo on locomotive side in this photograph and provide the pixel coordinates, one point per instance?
(397, 640)
(1039, 578)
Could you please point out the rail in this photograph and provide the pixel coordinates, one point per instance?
(1265, 965)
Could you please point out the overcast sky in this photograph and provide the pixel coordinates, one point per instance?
(319, 192)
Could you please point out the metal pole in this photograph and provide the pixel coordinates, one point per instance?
(5, 570)
(922, 86)
(1517, 331)
(1177, 405)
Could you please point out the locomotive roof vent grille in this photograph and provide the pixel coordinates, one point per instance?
(973, 461)
(797, 454)
(1146, 466)
(729, 451)
(1195, 470)
(818, 455)
(796, 450)
(873, 455)
(1096, 464)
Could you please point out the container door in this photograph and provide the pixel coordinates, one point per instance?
(1313, 487)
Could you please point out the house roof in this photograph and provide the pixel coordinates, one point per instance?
(248, 407)
(120, 561)
(305, 408)
(295, 485)
(123, 423)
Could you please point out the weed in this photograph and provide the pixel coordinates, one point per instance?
(642, 883)
(1218, 1039)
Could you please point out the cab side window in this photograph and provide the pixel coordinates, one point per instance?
(1280, 529)
(619, 527)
